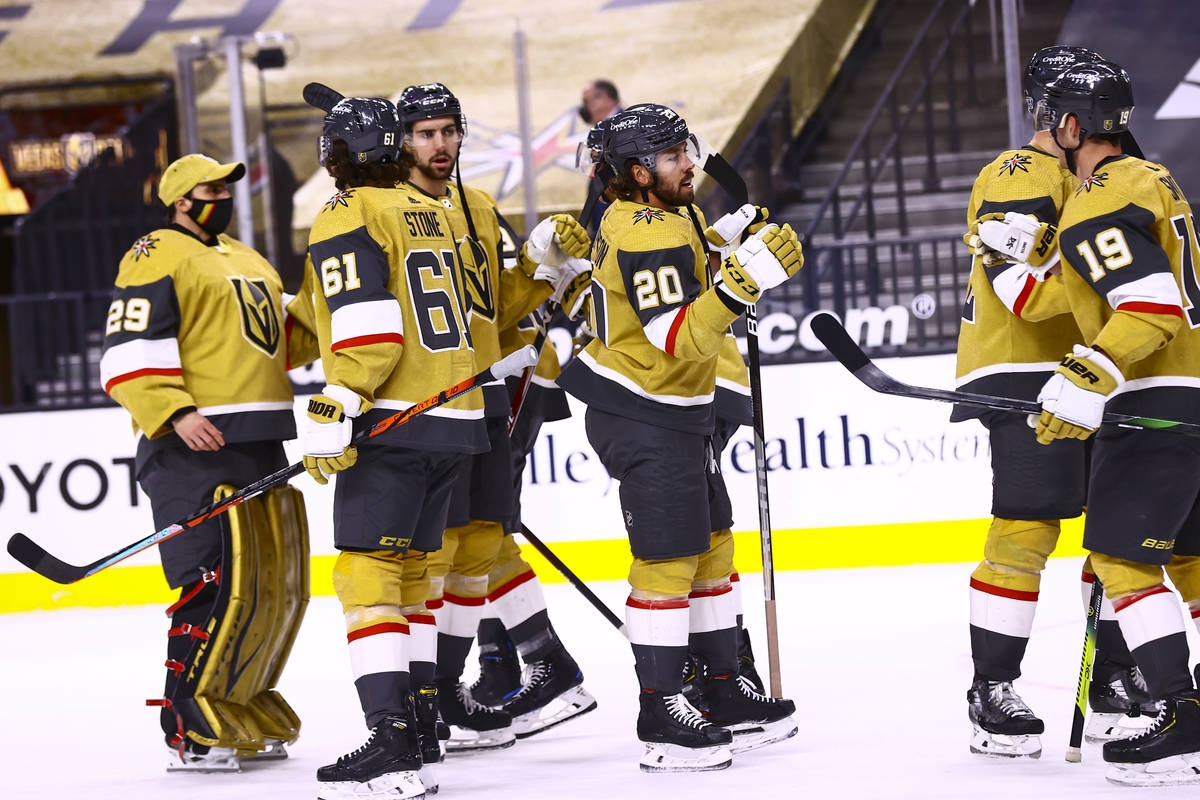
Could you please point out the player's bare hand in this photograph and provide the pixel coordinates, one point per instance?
(198, 433)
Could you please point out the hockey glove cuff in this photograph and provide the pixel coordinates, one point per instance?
(327, 430)
(1074, 397)
(577, 295)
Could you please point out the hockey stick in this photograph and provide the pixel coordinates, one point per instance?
(720, 170)
(33, 556)
(838, 342)
(575, 580)
(1074, 754)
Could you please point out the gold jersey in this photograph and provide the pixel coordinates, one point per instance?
(496, 298)
(658, 320)
(733, 384)
(195, 325)
(390, 316)
(1129, 237)
(1014, 328)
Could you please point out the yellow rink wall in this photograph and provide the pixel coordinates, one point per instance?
(599, 560)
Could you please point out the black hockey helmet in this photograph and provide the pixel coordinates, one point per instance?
(1099, 94)
(640, 132)
(427, 101)
(369, 126)
(1047, 64)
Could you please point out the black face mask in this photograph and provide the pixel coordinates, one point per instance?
(212, 215)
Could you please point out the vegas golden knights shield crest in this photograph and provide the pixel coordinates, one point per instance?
(260, 321)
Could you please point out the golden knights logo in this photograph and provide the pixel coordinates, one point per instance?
(339, 199)
(260, 321)
(1017, 162)
(647, 215)
(479, 296)
(143, 246)
(1092, 180)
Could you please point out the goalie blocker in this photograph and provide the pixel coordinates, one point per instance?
(235, 630)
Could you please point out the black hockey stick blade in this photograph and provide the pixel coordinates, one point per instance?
(727, 178)
(838, 342)
(36, 558)
(318, 95)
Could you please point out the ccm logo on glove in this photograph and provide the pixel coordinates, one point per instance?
(318, 408)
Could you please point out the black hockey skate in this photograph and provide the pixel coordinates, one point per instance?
(746, 662)
(499, 674)
(693, 682)
(1120, 703)
(473, 726)
(1002, 724)
(754, 719)
(551, 693)
(1165, 754)
(385, 767)
(678, 738)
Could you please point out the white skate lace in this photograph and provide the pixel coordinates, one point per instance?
(683, 712)
(469, 703)
(1154, 727)
(1008, 700)
(747, 687)
(1139, 680)
(531, 677)
(350, 756)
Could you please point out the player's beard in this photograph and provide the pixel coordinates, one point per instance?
(435, 172)
(676, 195)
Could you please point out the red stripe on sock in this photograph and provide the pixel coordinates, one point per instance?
(716, 591)
(1120, 603)
(655, 605)
(459, 600)
(1087, 577)
(734, 578)
(433, 605)
(422, 619)
(524, 577)
(1012, 594)
(373, 630)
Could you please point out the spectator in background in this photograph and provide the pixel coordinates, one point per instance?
(600, 101)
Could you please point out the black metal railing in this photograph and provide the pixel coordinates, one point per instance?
(54, 343)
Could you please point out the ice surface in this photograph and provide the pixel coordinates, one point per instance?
(877, 660)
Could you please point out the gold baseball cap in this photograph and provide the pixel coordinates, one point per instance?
(187, 172)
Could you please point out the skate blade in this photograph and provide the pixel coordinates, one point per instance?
(217, 759)
(673, 758)
(574, 702)
(999, 745)
(1172, 771)
(429, 778)
(392, 786)
(466, 740)
(276, 750)
(1107, 727)
(751, 736)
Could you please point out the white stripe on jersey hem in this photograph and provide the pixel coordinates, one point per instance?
(139, 354)
(441, 411)
(370, 318)
(624, 382)
(1158, 382)
(999, 369)
(733, 386)
(241, 408)
(545, 383)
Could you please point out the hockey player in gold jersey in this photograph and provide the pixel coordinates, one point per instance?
(195, 350)
(648, 379)
(1128, 241)
(393, 330)
(1016, 324)
(483, 501)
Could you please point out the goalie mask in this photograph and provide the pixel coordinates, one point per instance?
(429, 101)
(369, 126)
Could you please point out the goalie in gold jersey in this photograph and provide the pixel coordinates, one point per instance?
(393, 331)
(648, 379)
(196, 348)
(484, 502)
(1016, 324)
(1128, 241)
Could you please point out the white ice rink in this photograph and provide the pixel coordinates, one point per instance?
(877, 660)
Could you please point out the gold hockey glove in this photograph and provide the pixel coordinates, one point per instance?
(1022, 238)
(1074, 397)
(327, 430)
(766, 259)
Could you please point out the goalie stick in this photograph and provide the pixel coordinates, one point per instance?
(1074, 753)
(838, 342)
(36, 558)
